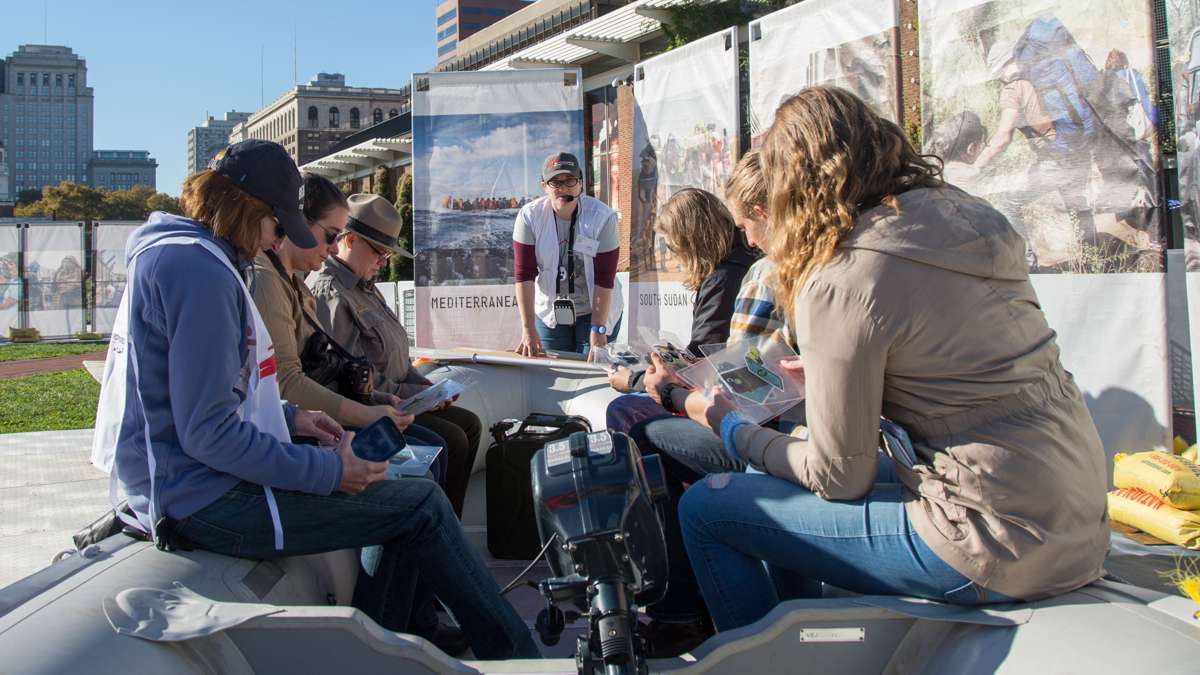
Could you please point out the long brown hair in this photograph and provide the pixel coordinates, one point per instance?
(826, 158)
(228, 211)
(699, 229)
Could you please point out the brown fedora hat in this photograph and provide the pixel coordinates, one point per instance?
(373, 217)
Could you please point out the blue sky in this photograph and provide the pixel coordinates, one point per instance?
(157, 67)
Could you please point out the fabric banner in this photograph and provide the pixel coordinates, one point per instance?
(1047, 109)
(10, 281)
(479, 139)
(108, 241)
(1183, 25)
(54, 275)
(685, 136)
(824, 42)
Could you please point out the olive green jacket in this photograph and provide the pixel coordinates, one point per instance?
(355, 314)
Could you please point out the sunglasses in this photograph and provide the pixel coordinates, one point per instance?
(330, 235)
(383, 253)
(566, 183)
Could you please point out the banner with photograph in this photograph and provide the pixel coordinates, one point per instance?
(10, 280)
(108, 243)
(1183, 25)
(686, 132)
(54, 278)
(824, 42)
(1047, 109)
(479, 140)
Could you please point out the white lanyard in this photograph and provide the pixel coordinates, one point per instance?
(261, 407)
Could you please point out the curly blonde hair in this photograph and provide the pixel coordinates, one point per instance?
(826, 158)
(699, 229)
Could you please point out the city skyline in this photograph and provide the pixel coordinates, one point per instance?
(157, 71)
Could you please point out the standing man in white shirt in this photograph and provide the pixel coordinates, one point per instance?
(565, 251)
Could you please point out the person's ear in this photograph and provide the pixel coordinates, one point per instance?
(759, 211)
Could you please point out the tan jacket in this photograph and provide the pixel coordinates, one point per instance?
(280, 300)
(356, 315)
(927, 317)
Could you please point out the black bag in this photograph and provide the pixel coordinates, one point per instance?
(512, 532)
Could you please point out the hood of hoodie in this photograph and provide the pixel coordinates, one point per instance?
(946, 228)
(160, 225)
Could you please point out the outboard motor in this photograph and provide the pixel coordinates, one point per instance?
(597, 502)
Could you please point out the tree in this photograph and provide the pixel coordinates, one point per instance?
(25, 197)
(399, 267)
(384, 186)
(71, 201)
(690, 21)
(162, 201)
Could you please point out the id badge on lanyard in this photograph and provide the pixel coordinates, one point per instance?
(564, 306)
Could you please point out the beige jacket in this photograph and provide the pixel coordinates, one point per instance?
(280, 301)
(927, 316)
(355, 314)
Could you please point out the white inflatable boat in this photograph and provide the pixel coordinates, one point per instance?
(122, 606)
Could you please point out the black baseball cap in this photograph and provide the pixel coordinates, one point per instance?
(560, 163)
(264, 170)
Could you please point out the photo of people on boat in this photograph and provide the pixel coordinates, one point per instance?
(472, 176)
(1047, 110)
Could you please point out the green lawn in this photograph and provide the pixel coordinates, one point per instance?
(52, 401)
(17, 352)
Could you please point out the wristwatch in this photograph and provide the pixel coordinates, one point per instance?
(601, 329)
(664, 393)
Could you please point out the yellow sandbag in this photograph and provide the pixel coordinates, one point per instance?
(1178, 445)
(1150, 514)
(1172, 479)
(1190, 455)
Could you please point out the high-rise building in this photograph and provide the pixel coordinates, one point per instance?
(460, 19)
(121, 169)
(311, 118)
(206, 140)
(45, 116)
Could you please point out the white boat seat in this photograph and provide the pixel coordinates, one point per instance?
(337, 573)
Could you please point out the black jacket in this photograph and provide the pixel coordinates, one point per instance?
(713, 306)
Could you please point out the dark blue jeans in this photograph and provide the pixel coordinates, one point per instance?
(688, 452)
(575, 338)
(420, 536)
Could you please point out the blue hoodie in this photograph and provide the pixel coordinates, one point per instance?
(189, 322)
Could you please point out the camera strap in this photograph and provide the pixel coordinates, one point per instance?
(337, 348)
(570, 267)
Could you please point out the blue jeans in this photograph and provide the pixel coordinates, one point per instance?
(688, 452)
(732, 523)
(420, 536)
(570, 338)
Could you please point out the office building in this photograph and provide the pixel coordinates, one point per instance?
(460, 19)
(45, 116)
(206, 140)
(121, 169)
(311, 118)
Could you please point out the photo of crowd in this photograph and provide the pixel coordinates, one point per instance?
(684, 137)
(1047, 110)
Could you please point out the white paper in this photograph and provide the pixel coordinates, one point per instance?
(413, 460)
